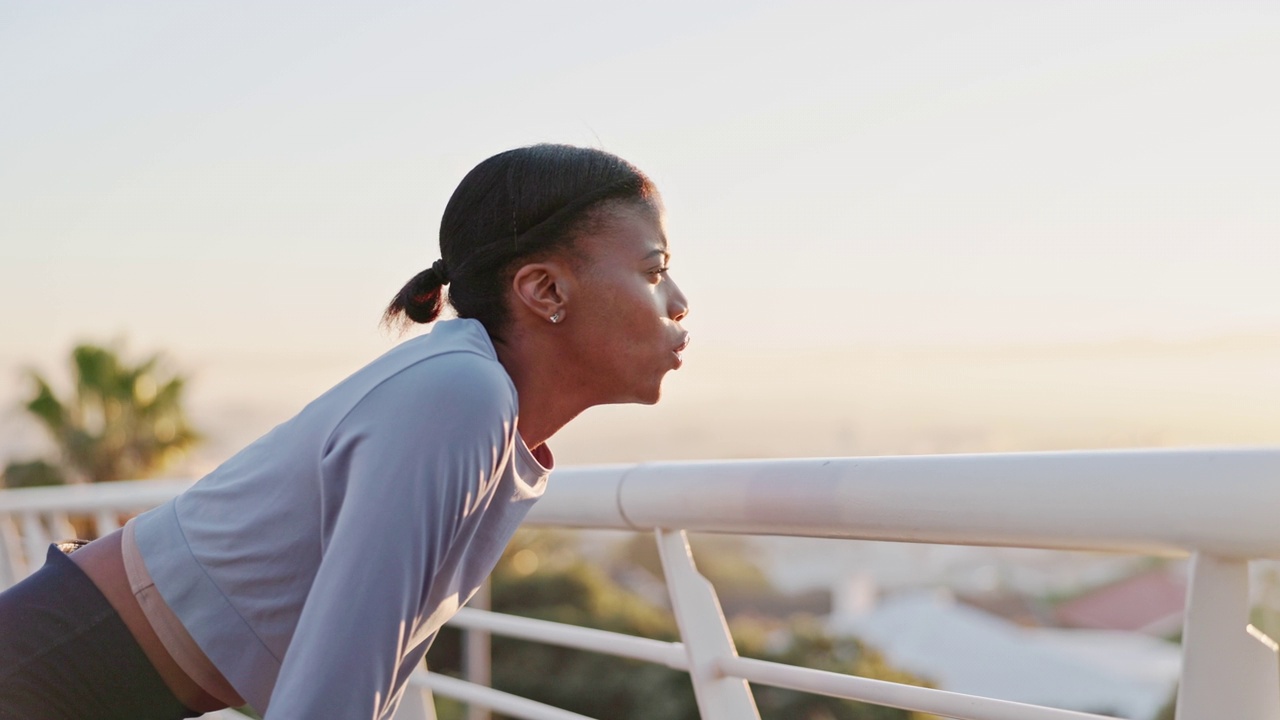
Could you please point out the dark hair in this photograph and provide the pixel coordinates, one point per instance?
(514, 207)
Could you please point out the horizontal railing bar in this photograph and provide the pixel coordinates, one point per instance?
(87, 498)
(573, 636)
(891, 694)
(1147, 502)
(493, 699)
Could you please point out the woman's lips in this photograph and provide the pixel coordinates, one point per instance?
(684, 343)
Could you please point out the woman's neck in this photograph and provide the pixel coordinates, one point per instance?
(547, 397)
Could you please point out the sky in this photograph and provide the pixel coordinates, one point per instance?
(244, 185)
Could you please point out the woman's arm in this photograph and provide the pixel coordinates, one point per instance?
(401, 472)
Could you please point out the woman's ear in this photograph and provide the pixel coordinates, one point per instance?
(543, 288)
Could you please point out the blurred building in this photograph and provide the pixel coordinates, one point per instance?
(963, 649)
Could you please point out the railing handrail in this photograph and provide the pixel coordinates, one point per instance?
(1150, 502)
(1153, 502)
(88, 498)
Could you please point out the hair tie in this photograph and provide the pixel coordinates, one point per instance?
(441, 270)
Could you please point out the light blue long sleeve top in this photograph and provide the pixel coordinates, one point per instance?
(315, 566)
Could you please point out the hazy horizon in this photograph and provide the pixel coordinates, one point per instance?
(834, 402)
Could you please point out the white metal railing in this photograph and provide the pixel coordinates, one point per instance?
(31, 518)
(1219, 506)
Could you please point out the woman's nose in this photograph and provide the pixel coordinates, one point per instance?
(677, 303)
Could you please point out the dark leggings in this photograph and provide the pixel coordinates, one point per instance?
(66, 655)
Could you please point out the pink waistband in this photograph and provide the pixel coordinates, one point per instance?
(169, 629)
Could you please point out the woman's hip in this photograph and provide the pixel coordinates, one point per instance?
(65, 653)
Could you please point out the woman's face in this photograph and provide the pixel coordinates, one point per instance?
(625, 312)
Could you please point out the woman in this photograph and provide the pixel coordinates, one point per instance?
(308, 574)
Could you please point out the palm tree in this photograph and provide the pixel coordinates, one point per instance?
(121, 422)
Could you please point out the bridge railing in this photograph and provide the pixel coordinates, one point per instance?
(1218, 506)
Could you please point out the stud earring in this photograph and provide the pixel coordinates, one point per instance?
(555, 317)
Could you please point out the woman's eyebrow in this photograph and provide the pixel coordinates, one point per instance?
(660, 252)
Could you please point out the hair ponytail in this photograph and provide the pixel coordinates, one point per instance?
(419, 301)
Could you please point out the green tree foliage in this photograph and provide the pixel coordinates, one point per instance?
(809, 646)
(121, 421)
(541, 575)
(741, 585)
(33, 473)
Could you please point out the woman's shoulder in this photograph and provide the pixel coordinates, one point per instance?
(453, 348)
(454, 367)
(450, 336)
(456, 353)
(447, 380)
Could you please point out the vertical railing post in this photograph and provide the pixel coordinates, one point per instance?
(417, 703)
(704, 632)
(60, 527)
(1228, 671)
(12, 563)
(35, 538)
(105, 522)
(476, 654)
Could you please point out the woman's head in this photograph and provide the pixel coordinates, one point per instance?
(517, 207)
